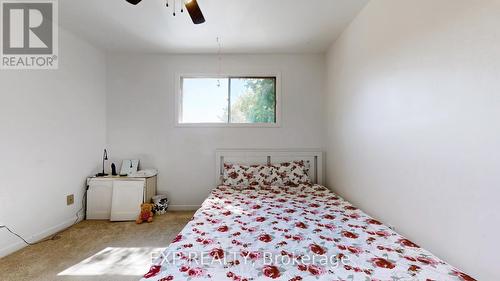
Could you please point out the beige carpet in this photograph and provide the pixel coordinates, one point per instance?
(95, 250)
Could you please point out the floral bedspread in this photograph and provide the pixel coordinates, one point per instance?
(292, 234)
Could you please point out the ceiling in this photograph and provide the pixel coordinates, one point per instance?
(244, 26)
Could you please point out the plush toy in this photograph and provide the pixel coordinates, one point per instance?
(146, 213)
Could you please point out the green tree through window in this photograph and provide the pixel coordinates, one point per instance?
(257, 103)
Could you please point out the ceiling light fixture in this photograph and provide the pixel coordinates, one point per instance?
(191, 6)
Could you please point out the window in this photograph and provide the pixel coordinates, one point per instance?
(234, 100)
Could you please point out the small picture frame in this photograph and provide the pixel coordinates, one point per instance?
(129, 167)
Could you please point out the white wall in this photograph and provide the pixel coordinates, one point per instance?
(413, 112)
(141, 116)
(52, 131)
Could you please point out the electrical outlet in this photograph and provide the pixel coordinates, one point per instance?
(70, 199)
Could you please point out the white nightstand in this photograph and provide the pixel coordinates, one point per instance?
(118, 198)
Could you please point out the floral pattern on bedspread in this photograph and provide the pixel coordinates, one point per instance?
(275, 233)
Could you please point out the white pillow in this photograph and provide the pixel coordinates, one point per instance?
(289, 173)
(244, 175)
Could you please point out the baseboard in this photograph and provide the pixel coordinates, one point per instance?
(36, 237)
(183, 207)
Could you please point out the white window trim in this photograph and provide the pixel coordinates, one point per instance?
(178, 100)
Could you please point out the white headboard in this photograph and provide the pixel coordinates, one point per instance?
(271, 156)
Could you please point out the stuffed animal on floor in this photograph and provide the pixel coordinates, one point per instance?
(146, 213)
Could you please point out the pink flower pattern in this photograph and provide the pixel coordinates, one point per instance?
(293, 222)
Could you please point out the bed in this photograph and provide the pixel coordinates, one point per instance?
(290, 232)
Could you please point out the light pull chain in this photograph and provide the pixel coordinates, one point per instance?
(174, 6)
(219, 60)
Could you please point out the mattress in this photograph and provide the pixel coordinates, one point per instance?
(292, 234)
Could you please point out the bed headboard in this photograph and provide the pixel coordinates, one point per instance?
(314, 157)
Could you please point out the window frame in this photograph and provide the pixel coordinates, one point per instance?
(179, 95)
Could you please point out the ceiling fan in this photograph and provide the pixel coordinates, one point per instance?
(191, 6)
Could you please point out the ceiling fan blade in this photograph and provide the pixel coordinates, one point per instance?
(194, 11)
(134, 2)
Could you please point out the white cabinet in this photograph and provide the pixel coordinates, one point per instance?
(118, 198)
